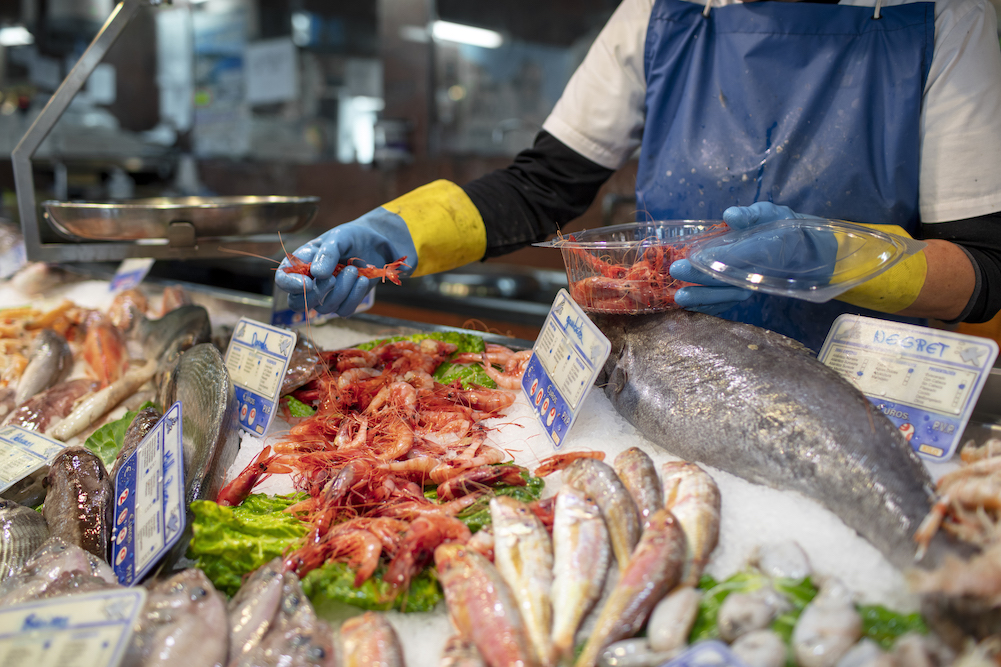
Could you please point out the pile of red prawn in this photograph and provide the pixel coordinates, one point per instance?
(634, 280)
(383, 429)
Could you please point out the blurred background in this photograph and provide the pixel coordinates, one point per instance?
(354, 102)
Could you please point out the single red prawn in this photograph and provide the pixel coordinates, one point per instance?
(390, 271)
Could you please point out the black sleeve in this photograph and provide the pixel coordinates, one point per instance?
(546, 186)
(981, 239)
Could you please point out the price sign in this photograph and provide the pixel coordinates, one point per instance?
(91, 629)
(926, 381)
(566, 359)
(149, 500)
(257, 358)
(23, 452)
(130, 273)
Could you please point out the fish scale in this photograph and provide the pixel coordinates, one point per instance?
(759, 405)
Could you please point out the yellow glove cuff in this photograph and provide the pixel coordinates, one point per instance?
(894, 289)
(445, 226)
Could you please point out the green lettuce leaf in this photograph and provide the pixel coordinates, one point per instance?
(467, 374)
(107, 441)
(477, 515)
(334, 583)
(883, 626)
(464, 342)
(229, 542)
(297, 408)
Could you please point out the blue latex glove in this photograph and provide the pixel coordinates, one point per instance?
(793, 251)
(377, 238)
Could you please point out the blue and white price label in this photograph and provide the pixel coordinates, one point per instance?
(130, 273)
(149, 500)
(566, 358)
(706, 654)
(257, 358)
(92, 629)
(926, 381)
(22, 452)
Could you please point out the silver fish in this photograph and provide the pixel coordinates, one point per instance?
(297, 637)
(653, 570)
(80, 500)
(582, 554)
(370, 641)
(252, 610)
(173, 333)
(523, 554)
(50, 362)
(45, 567)
(598, 480)
(694, 499)
(22, 531)
(760, 406)
(142, 424)
(182, 623)
(639, 475)
(200, 381)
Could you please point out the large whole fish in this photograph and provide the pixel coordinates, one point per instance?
(760, 406)
(173, 333)
(182, 623)
(80, 500)
(22, 531)
(50, 362)
(200, 381)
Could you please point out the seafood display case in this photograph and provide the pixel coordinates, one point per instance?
(159, 228)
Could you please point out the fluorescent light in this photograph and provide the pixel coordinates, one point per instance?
(466, 34)
(16, 35)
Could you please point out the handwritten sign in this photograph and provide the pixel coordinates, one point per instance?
(926, 381)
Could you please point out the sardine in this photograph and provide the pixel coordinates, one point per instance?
(200, 381)
(178, 330)
(182, 623)
(80, 500)
(523, 554)
(369, 640)
(45, 567)
(142, 424)
(297, 637)
(22, 531)
(87, 411)
(460, 652)
(598, 480)
(582, 554)
(482, 607)
(694, 500)
(252, 610)
(654, 569)
(638, 473)
(50, 362)
(760, 406)
(50, 406)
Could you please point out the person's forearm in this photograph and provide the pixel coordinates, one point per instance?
(948, 285)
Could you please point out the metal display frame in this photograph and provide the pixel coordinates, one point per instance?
(182, 245)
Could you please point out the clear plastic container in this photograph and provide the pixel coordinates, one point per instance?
(624, 268)
(812, 259)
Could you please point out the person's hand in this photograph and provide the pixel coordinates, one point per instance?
(366, 239)
(791, 252)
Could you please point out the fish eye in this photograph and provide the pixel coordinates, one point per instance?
(316, 654)
(198, 592)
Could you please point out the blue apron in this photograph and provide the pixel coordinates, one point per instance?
(811, 106)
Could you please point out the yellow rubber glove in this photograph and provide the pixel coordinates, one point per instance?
(893, 290)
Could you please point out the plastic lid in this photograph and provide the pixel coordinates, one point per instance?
(812, 259)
